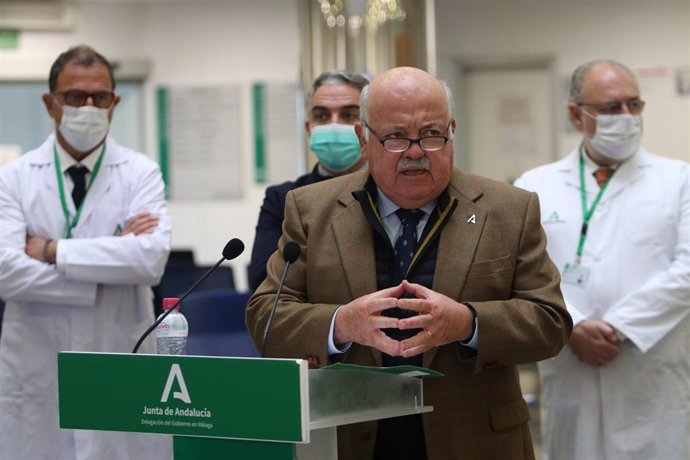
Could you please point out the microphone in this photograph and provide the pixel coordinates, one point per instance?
(232, 249)
(291, 253)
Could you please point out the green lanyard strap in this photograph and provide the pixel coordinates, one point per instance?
(587, 213)
(61, 186)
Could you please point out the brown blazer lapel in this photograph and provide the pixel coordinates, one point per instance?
(458, 243)
(354, 244)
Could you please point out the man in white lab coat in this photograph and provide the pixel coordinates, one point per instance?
(84, 233)
(617, 220)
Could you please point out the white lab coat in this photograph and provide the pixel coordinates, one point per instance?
(98, 300)
(638, 250)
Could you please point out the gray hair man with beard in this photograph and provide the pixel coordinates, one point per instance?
(415, 262)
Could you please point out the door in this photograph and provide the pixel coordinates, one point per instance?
(506, 123)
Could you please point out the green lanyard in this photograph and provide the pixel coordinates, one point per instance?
(73, 223)
(587, 214)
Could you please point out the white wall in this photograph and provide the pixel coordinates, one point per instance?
(650, 36)
(186, 43)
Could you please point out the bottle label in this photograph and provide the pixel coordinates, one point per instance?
(174, 325)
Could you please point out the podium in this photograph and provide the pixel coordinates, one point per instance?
(227, 408)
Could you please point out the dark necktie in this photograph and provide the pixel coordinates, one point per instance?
(402, 437)
(602, 175)
(78, 175)
(406, 244)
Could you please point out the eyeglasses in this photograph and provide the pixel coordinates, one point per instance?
(635, 107)
(77, 98)
(402, 144)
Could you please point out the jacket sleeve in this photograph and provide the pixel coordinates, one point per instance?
(647, 314)
(125, 259)
(21, 277)
(268, 231)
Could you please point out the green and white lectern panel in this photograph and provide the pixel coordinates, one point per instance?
(219, 408)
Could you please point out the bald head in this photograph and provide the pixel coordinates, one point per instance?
(398, 85)
(591, 70)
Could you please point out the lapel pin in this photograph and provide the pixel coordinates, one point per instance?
(472, 219)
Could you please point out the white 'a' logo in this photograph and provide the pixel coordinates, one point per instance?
(183, 394)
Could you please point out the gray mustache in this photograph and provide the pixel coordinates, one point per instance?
(406, 164)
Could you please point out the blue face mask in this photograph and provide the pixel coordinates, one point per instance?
(335, 145)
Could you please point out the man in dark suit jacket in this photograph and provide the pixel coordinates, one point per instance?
(333, 100)
(480, 295)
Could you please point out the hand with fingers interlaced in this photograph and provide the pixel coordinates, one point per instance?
(361, 321)
(441, 319)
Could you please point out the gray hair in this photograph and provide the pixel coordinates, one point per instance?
(577, 81)
(364, 99)
(81, 55)
(337, 77)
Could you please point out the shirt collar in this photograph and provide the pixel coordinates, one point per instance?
(591, 166)
(67, 161)
(387, 207)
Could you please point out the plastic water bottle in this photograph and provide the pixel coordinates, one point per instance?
(171, 333)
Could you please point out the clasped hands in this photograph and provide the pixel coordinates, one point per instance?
(595, 343)
(45, 250)
(441, 320)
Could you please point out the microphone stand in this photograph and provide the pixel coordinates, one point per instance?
(273, 310)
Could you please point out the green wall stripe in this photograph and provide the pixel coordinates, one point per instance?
(258, 90)
(163, 154)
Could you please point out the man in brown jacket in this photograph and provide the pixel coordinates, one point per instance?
(415, 262)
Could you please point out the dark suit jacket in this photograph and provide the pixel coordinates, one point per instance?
(269, 227)
(492, 254)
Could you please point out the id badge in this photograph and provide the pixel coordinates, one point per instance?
(575, 274)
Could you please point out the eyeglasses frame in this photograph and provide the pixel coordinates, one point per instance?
(63, 93)
(410, 140)
(602, 108)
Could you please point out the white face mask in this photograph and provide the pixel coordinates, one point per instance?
(617, 136)
(84, 127)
